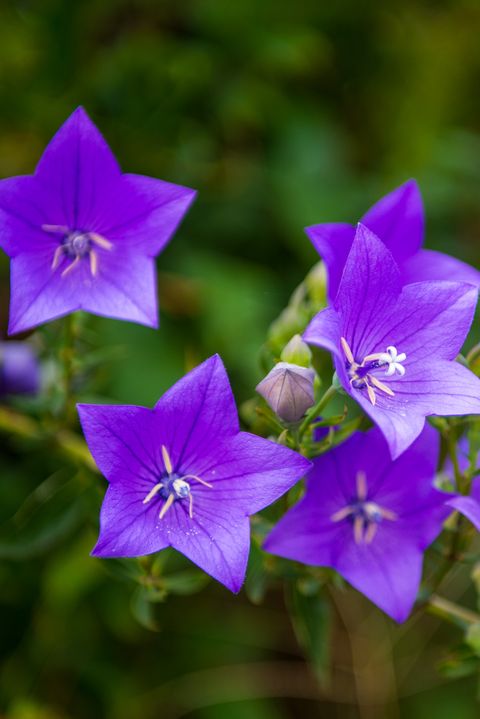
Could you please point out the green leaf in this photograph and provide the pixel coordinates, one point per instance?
(51, 513)
(143, 610)
(311, 619)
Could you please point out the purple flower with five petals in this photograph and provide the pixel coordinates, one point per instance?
(82, 235)
(394, 347)
(398, 219)
(369, 518)
(183, 475)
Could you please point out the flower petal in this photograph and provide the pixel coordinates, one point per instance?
(248, 472)
(204, 401)
(125, 442)
(389, 576)
(128, 528)
(325, 330)
(369, 287)
(469, 506)
(333, 242)
(429, 320)
(217, 539)
(438, 388)
(124, 288)
(432, 265)
(398, 219)
(142, 213)
(77, 166)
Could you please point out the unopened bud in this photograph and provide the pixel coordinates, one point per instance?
(297, 352)
(288, 389)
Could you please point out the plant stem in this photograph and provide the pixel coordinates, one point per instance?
(67, 356)
(313, 412)
(452, 612)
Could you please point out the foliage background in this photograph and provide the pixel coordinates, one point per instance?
(282, 115)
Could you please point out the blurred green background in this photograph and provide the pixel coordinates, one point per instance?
(281, 115)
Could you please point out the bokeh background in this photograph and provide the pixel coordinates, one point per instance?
(281, 114)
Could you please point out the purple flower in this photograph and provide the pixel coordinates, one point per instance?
(19, 369)
(369, 518)
(394, 348)
(81, 235)
(183, 475)
(398, 219)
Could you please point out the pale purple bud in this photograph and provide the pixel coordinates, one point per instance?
(19, 369)
(288, 389)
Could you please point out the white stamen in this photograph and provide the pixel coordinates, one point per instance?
(166, 460)
(57, 257)
(100, 241)
(153, 492)
(366, 515)
(60, 229)
(166, 506)
(361, 481)
(93, 263)
(71, 267)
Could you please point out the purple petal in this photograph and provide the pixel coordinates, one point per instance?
(388, 570)
(437, 388)
(432, 265)
(128, 528)
(248, 472)
(217, 540)
(333, 242)
(125, 444)
(398, 219)
(77, 166)
(24, 207)
(469, 506)
(325, 331)
(388, 577)
(369, 287)
(205, 402)
(124, 288)
(142, 212)
(430, 319)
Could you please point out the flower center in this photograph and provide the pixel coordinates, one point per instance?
(364, 514)
(75, 245)
(173, 487)
(362, 375)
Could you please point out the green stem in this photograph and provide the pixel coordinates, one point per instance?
(314, 411)
(452, 612)
(67, 357)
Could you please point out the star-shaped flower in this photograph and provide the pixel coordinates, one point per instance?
(183, 475)
(398, 219)
(82, 235)
(369, 518)
(394, 347)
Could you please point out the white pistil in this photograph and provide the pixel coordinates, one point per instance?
(178, 487)
(391, 359)
(366, 515)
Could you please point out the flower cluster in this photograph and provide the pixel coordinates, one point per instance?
(83, 236)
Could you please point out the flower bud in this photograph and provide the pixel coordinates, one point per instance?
(288, 389)
(297, 352)
(19, 369)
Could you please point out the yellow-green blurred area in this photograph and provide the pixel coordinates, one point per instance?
(281, 114)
